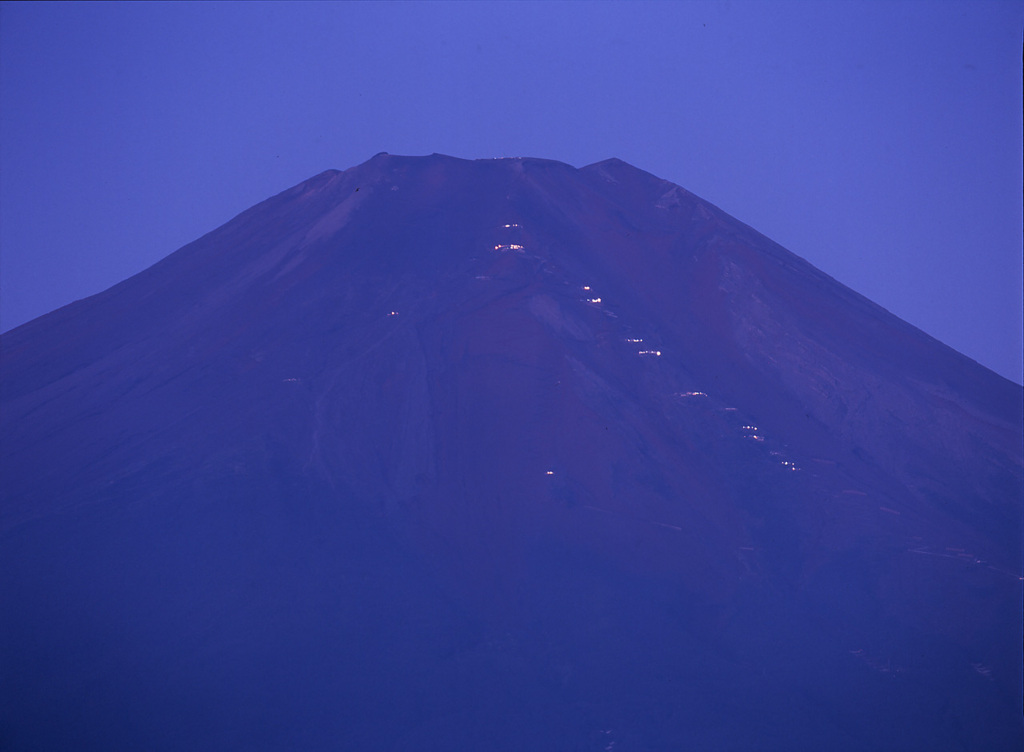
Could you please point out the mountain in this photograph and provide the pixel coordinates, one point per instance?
(436, 454)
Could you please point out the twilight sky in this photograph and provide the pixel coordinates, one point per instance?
(881, 141)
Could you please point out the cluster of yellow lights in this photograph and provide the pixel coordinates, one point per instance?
(656, 353)
(753, 435)
(509, 247)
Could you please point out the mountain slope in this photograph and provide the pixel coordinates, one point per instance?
(433, 453)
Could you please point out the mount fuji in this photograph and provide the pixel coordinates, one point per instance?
(438, 454)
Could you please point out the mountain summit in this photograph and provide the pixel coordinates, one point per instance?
(461, 455)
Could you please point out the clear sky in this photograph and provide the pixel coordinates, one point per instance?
(881, 141)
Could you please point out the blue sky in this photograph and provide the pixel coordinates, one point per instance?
(881, 141)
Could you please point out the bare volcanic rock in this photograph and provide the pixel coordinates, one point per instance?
(436, 454)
